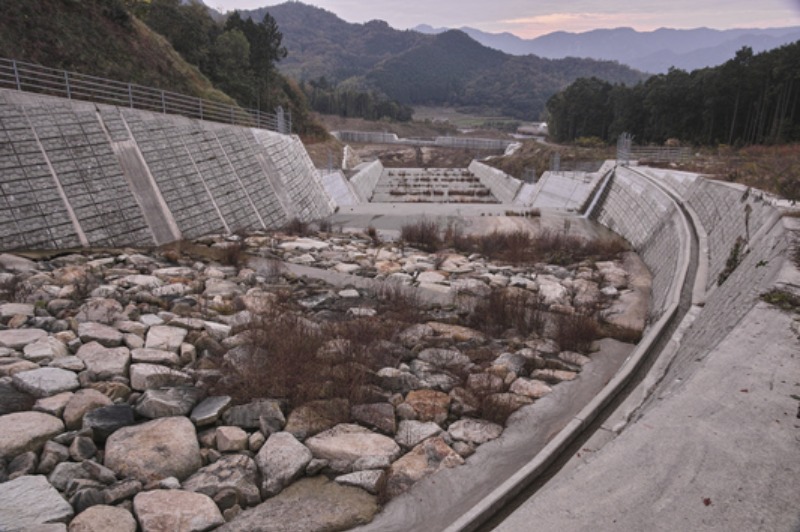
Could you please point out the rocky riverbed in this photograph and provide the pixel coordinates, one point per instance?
(182, 389)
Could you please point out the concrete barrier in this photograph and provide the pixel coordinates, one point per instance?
(365, 180)
(77, 174)
(503, 186)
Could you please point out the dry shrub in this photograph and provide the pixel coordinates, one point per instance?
(576, 332)
(629, 335)
(296, 227)
(398, 302)
(553, 247)
(278, 360)
(372, 233)
(232, 253)
(507, 309)
(424, 234)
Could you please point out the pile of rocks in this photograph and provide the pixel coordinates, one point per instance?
(107, 422)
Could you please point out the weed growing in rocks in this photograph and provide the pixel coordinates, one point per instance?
(423, 233)
(782, 299)
(577, 331)
(297, 227)
(505, 309)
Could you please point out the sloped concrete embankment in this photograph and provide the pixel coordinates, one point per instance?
(712, 444)
(77, 174)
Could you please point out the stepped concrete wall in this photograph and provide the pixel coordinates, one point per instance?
(503, 186)
(77, 174)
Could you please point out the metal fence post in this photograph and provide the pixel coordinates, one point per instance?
(66, 81)
(200, 101)
(130, 95)
(163, 103)
(16, 74)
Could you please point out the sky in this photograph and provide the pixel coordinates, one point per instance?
(531, 18)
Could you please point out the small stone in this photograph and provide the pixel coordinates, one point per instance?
(45, 349)
(80, 403)
(168, 402)
(52, 455)
(155, 356)
(475, 431)
(147, 376)
(103, 363)
(97, 332)
(106, 420)
(102, 518)
(411, 433)
(82, 448)
(371, 480)
(230, 439)
(165, 338)
(429, 405)
(23, 464)
(208, 411)
(176, 510)
(234, 473)
(26, 431)
(530, 388)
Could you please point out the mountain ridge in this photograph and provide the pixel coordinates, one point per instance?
(650, 51)
(450, 68)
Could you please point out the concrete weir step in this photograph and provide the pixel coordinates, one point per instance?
(430, 185)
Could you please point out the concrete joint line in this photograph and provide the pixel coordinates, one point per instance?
(501, 495)
(239, 180)
(76, 224)
(205, 186)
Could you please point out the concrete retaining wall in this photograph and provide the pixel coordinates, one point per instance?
(76, 174)
(503, 186)
(366, 179)
(638, 210)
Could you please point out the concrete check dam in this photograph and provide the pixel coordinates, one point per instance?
(671, 430)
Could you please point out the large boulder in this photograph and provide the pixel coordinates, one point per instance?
(30, 502)
(308, 504)
(158, 449)
(19, 338)
(235, 472)
(317, 416)
(425, 459)
(102, 518)
(346, 444)
(104, 363)
(26, 431)
(282, 459)
(80, 403)
(176, 511)
(44, 382)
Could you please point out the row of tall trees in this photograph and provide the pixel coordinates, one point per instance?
(751, 99)
(326, 98)
(238, 55)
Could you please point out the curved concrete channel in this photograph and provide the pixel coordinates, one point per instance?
(466, 497)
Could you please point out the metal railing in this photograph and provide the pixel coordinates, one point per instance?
(29, 77)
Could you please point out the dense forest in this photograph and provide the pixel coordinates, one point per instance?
(751, 99)
(326, 98)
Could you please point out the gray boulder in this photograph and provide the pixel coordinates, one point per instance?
(282, 459)
(26, 431)
(158, 449)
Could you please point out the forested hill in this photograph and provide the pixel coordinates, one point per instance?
(100, 38)
(450, 68)
(751, 99)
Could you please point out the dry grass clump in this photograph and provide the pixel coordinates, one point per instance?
(297, 227)
(509, 309)
(577, 331)
(423, 233)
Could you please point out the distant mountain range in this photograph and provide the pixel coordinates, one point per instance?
(449, 68)
(650, 51)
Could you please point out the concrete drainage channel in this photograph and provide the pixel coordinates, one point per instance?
(686, 288)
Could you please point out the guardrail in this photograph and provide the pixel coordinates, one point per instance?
(29, 77)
